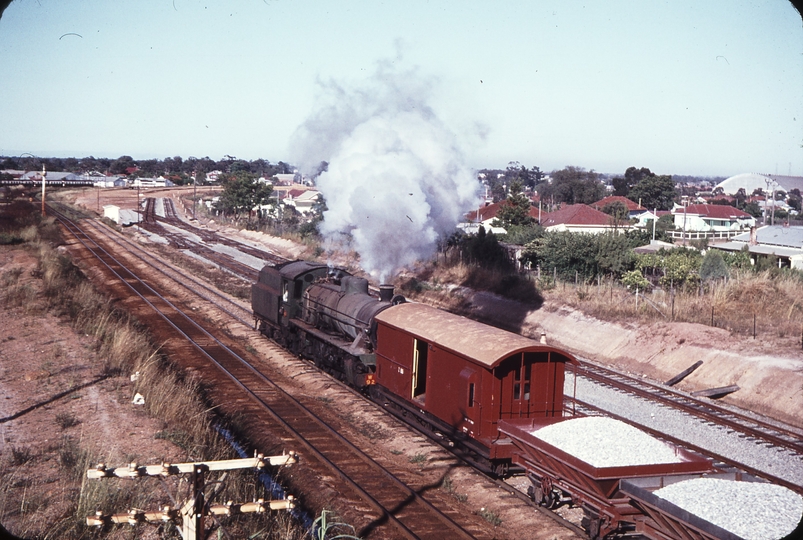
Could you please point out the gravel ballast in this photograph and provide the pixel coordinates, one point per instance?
(606, 442)
(752, 510)
(717, 439)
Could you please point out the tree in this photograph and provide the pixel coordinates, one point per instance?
(516, 172)
(581, 254)
(741, 197)
(242, 193)
(655, 192)
(635, 280)
(239, 165)
(753, 209)
(516, 208)
(622, 186)
(484, 249)
(573, 185)
(713, 266)
(679, 266)
(120, 165)
(616, 209)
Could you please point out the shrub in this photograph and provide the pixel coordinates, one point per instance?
(713, 266)
(635, 280)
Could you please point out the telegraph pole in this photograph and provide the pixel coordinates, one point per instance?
(190, 513)
(44, 173)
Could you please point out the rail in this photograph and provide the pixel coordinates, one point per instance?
(394, 505)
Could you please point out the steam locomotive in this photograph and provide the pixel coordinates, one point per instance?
(453, 377)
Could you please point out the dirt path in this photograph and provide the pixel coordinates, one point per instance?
(57, 408)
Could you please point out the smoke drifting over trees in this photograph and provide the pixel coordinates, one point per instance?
(397, 179)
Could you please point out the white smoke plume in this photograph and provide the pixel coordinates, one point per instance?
(397, 179)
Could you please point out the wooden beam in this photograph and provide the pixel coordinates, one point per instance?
(169, 469)
(715, 393)
(683, 374)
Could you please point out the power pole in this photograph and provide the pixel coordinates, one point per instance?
(44, 174)
(191, 512)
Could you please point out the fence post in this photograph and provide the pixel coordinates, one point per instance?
(636, 298)
(673, 303)
(712, 315)
(754, 326)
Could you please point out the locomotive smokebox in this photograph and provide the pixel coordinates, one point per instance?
(385, 292)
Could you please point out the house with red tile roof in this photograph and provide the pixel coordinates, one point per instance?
(633, 209)
(486, 215)
(581, 218)
(711, 218)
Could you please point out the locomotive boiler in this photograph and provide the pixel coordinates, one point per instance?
(323, 314)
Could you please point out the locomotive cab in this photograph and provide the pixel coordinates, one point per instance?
(277, 295)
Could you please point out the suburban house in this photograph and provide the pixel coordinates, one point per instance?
(285, 179)
(634, 210)
(302, 199)
(713, 219)
(486, 215)
(647, 216)
(782, 241)
(582, 218)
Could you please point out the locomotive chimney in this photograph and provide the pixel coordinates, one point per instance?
(385, 292)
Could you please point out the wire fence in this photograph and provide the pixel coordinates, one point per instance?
(745, 313)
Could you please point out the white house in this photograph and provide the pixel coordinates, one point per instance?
(304, 201)
(583, 219)
(711, 218)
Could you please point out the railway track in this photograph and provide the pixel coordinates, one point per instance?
(178, 275)
(772, 438)
(754, 428)
(184, 236)
(171, 217)
(391, 508)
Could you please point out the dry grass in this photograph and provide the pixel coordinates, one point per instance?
(125, 348)
(771, 299)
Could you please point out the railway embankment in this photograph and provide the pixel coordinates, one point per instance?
(770, 381)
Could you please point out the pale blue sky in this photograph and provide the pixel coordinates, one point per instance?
(681, 87)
